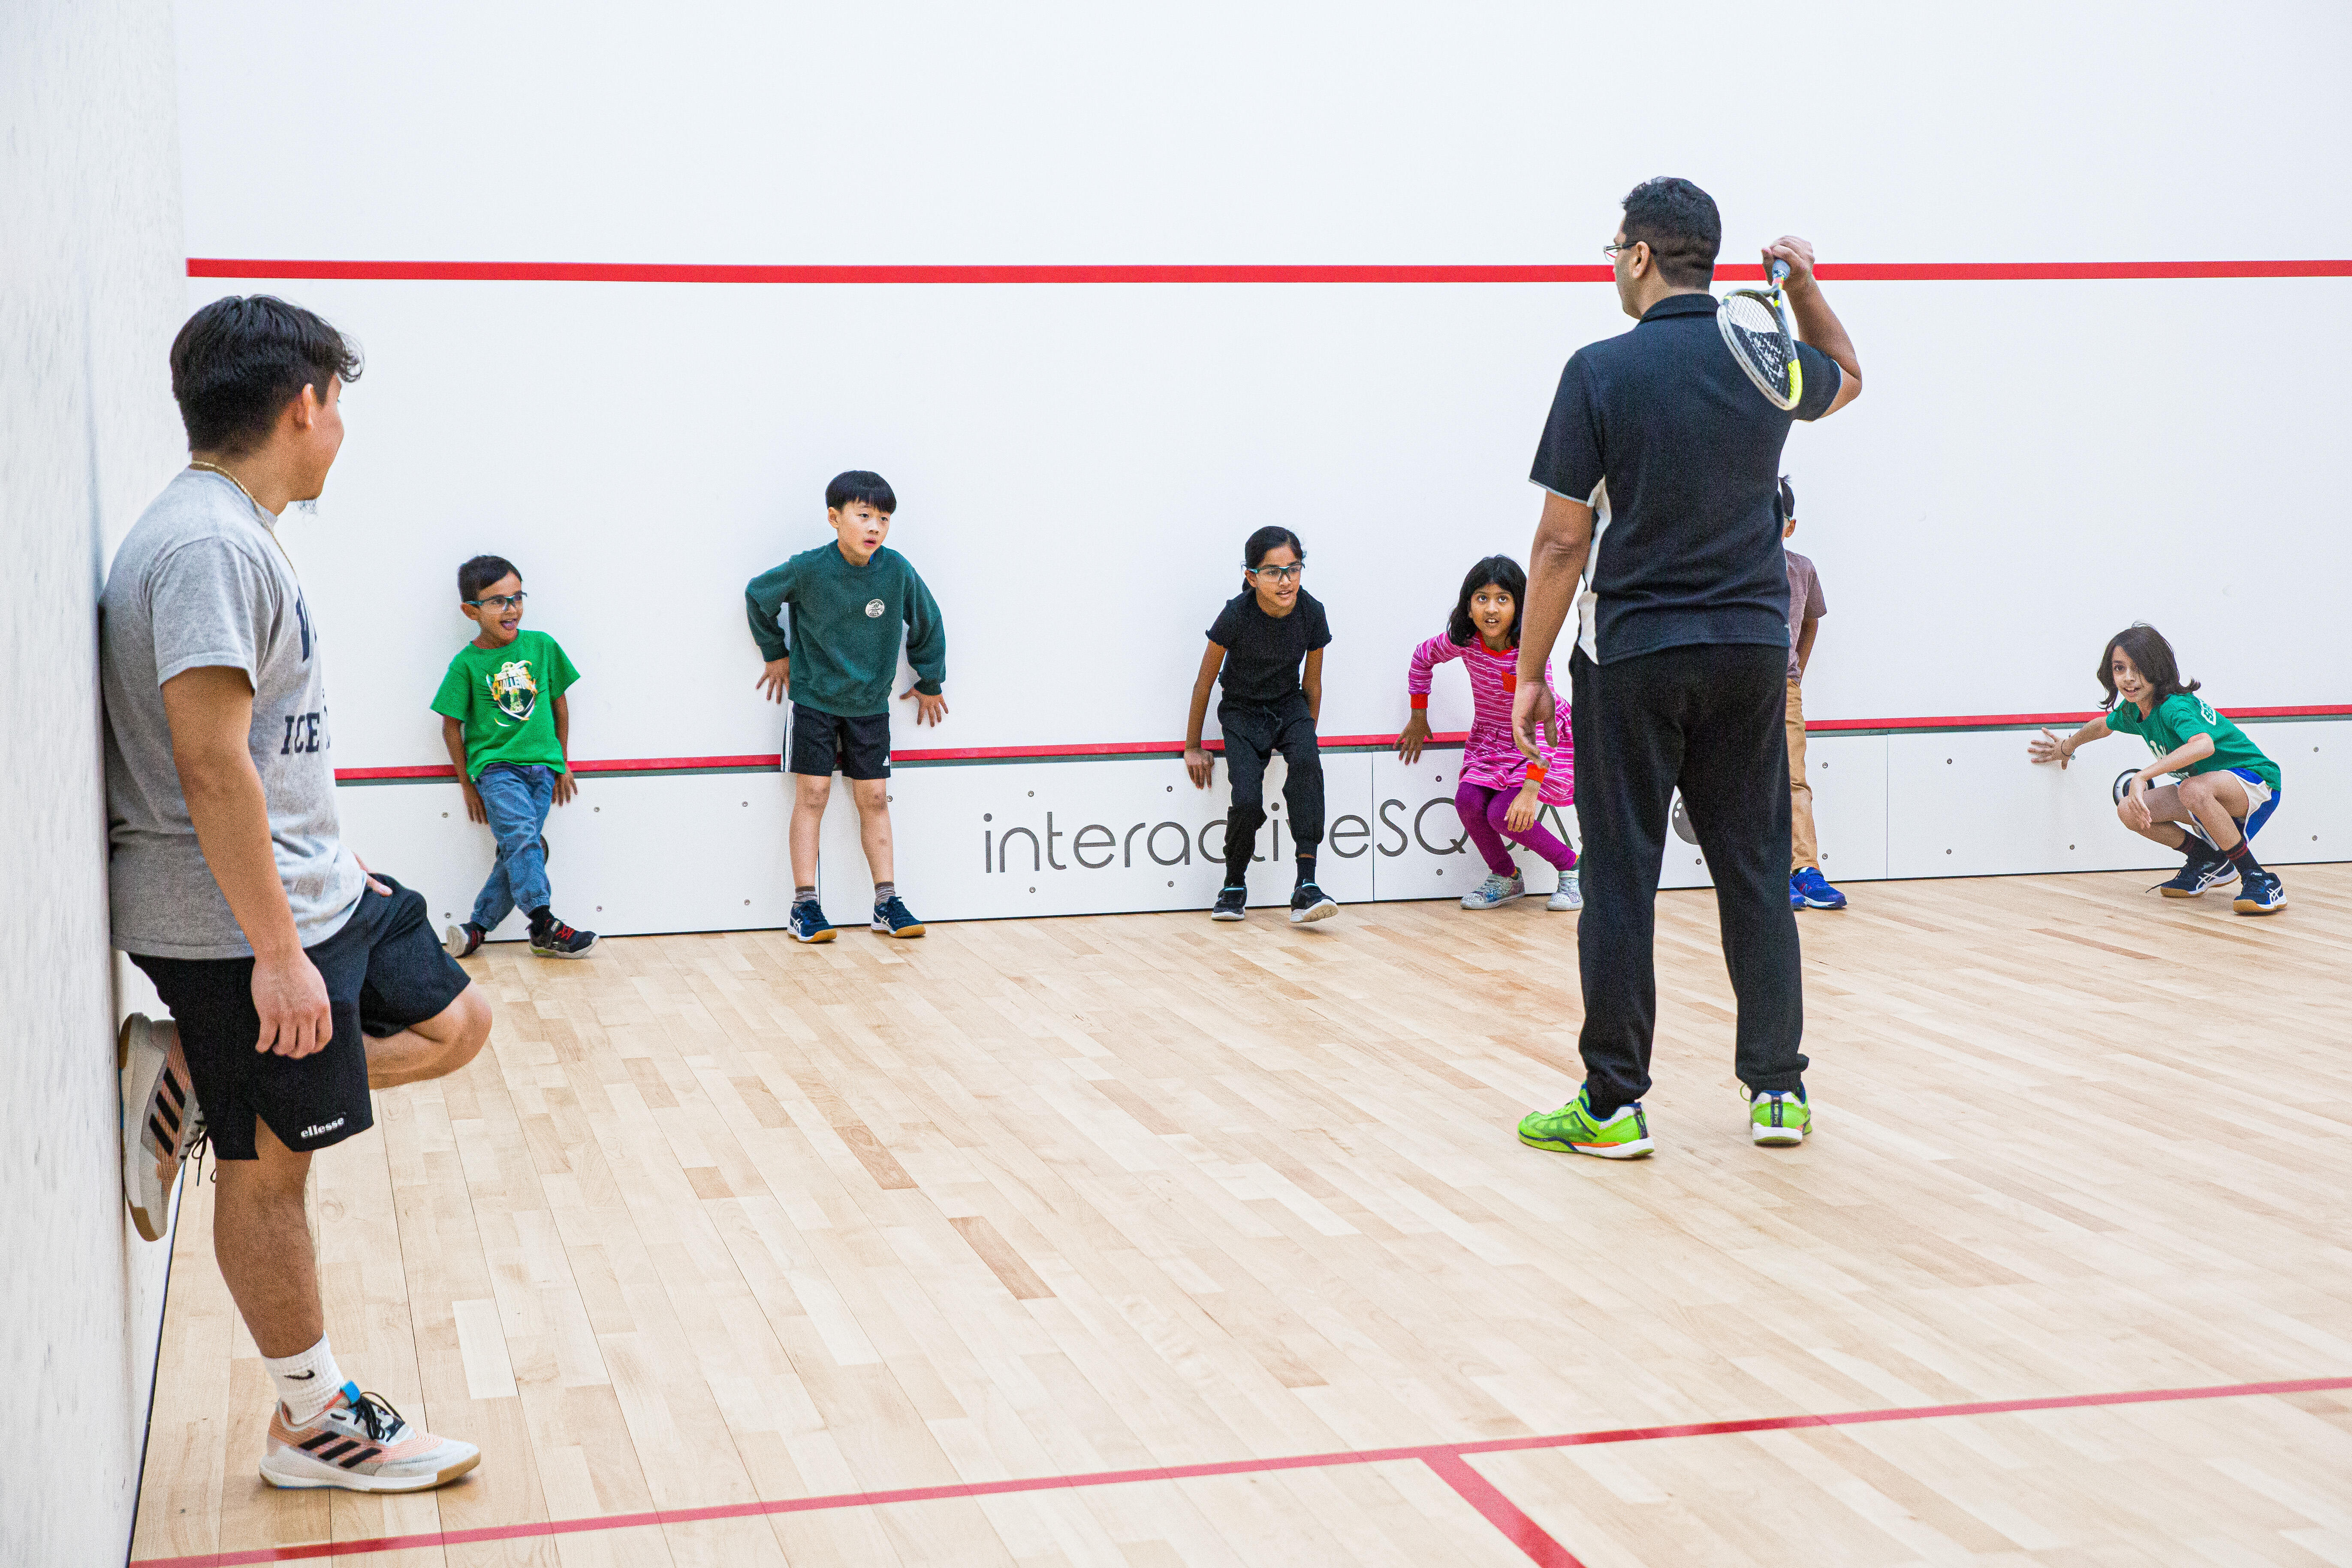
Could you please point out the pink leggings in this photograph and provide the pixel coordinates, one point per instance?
(1482, 811)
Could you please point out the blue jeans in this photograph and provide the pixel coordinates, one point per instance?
(516, 798)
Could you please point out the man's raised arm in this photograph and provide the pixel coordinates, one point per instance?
(1816, 322)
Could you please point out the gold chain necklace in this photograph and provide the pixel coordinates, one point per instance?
(270, 528)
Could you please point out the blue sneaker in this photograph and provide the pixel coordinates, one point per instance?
(2260, 895)
(807, 922)
(1809, 889)
(2191, 880)
(892, 918)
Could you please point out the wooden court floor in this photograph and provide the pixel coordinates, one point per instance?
(720, 1224)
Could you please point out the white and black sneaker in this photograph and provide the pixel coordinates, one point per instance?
(1232, 904)
(1311, 903)
(360, 1444)
(162, 1122)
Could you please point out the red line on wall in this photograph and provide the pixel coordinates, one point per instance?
(1176, 748)
(699, 272)
(1431, 1454)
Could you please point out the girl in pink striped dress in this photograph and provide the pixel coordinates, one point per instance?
(1501, 791)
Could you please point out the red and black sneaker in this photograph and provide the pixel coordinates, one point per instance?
(553, 939)
(463, 941)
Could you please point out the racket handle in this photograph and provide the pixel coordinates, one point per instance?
(1777, 272)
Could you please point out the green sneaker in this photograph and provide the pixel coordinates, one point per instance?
(1574, 1130)
(1778, 1119)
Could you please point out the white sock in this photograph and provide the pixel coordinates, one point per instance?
(307, 1383)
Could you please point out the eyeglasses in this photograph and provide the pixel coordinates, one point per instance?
(1279, 573)
(499, 601)
(1613, 251)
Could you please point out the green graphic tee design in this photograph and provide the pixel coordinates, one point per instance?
(2171, 721)
(506, 698)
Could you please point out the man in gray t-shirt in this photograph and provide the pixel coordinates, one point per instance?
(297, 983)
(201, 582)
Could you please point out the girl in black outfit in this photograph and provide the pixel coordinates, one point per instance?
(1268, 645)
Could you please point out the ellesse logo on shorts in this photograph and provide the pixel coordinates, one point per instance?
(317, 1127)
(873, 608)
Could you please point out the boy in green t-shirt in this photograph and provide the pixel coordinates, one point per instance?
(2228, 788)
(508, 728)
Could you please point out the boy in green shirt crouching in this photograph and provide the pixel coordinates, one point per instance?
(504, 719)
(2228, 788)
(847, 603)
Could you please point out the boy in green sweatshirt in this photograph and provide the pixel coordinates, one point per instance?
(837, 655)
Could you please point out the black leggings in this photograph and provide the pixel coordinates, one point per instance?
(1251, 736)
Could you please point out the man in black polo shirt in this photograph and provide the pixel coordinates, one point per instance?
(1661, 461)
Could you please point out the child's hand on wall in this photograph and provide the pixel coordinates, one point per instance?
(474, 808)
(930, 707)
(775, 676)
(566, 786)
(1199, 765)
(1416, 736)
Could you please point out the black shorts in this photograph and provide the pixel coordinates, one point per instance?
(385, 971)
(823, 743)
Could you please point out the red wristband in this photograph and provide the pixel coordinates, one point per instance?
(1536, 771)
(1420, 700)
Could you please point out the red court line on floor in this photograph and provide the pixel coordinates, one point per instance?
(1503, 1513)
(1431, 1454)
(1176, 748)
(699, 272)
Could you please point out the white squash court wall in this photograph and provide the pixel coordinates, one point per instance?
(90, 292)
(2033, 465)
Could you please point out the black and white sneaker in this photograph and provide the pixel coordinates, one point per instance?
(462, 940)
(1311, 903)
(1232, 904)
(556, 939)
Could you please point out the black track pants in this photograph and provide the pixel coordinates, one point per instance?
(1706, 719)
(1253, 735)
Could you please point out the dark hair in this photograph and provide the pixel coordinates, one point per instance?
(1503, 573)
(1788, 500)
(1270, 537)
(1681, 226)
(238, 362)
(481, 571)
(860, 485)
(2152, 656)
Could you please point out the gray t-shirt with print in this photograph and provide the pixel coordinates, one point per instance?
(201, 582)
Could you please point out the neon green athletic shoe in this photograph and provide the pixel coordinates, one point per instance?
(1574, 1130)
(1778, 1119)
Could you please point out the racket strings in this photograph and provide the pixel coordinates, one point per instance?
(1752, 331)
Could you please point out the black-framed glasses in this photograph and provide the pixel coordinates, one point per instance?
(1613, 251)
(1279, 573)
(499, 601)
